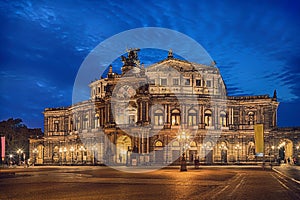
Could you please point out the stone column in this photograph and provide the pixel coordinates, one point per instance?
(141, 111)
(168, 114)
(147, 111)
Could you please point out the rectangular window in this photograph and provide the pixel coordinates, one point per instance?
(192, 120)
(175, 81)
(131, 119)
(152, 81)
(235, 120)
(198, 82)
(163, 81)
(208, 83)
(56, 126)
(187, 81)
(175, 120)
(158, 120)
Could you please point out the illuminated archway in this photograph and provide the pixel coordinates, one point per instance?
(123, 145)
(285, 150)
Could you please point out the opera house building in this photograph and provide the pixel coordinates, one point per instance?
(154, 115)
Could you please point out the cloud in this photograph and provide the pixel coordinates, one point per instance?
(255, 44)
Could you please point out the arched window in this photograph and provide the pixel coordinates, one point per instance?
(158, 117)
(97, 121)
(208, 118)
(175, 144)
(158, 144)
(56, 125)
(223, 119)
(175, 117)
(250, 118)
(192, 117)
(193, 144)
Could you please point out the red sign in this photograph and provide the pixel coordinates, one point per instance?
(3, 147)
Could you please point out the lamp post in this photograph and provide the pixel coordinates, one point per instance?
(19, 152)
(238, 148)
(10, 159)
(94, 148)
(183, 138)
(72, 152)
(65, 154)
(81, 149)
(35, 151)
(60, 155)
(272, 153)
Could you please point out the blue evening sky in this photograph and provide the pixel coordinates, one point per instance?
(256, 45)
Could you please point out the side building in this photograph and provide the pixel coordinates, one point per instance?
(153, 115)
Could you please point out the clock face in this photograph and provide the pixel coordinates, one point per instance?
(126, 92)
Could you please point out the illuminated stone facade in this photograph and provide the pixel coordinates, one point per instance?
(152, 115)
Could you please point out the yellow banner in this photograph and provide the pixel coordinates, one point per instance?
(259, 139)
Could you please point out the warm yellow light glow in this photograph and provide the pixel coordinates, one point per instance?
(19, 151)
(35, 150)
(81, 148)
(283, 144)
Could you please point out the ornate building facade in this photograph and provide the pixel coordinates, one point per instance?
(152, 115)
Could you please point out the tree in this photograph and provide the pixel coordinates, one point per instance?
(17, 136)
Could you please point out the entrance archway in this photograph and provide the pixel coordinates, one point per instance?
(40, 154)
(158, 152)
(285, 150)
(192, 152)
(223, 151)
(208, 152)
(123, 146)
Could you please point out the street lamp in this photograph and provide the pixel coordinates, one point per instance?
(65, 154)
(183, 138)
(19, 152)
(272, 153)
(81, 149)
(35, 151)
(72, 151)
(10, 159)
(238, 148)
(60, 155)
